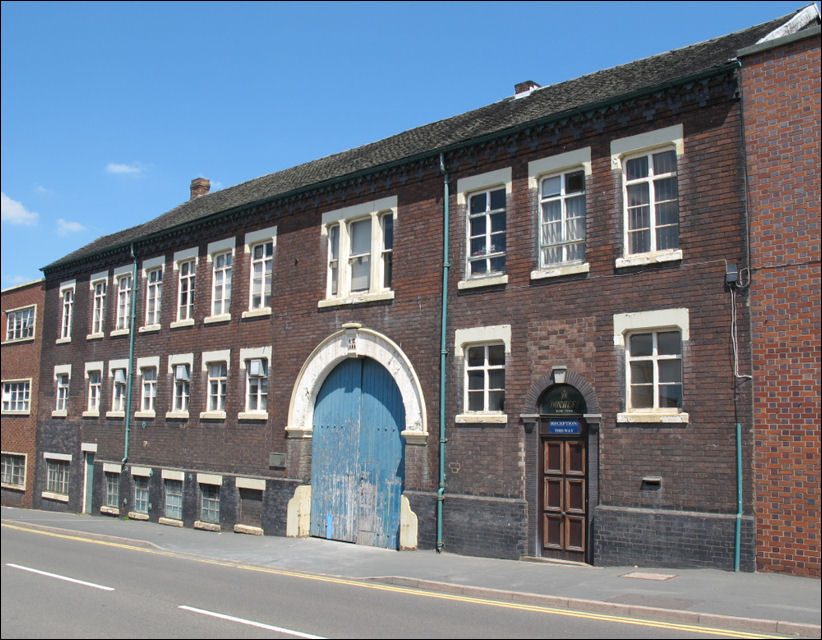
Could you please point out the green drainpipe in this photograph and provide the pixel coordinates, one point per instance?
(443, 351)
(131, 326)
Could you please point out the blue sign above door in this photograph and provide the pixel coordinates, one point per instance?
(563, 427)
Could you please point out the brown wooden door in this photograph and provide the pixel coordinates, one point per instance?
(564, 499)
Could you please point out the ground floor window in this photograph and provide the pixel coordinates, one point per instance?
(57, 476)
(141, 494)
(14, 470)
(174, 499)
(210, 503)
(112, 497)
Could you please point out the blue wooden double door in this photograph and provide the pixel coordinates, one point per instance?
(358, 457)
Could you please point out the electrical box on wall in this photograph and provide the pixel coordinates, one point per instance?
(276, 460)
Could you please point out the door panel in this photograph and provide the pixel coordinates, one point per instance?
(358, 466)
(564, 498)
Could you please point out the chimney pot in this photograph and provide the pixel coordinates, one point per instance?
(200, 187)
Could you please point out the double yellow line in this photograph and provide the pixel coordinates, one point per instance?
(406, 590)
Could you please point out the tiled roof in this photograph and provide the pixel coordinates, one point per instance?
(543, 103)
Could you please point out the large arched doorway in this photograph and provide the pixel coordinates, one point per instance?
(563, 460)
(358, 463)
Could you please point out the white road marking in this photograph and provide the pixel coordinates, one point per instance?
(250, 623)
(59, 577)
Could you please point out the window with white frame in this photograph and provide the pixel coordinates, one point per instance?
(483, 352)
(360, 251)
(95, 390)
(141, 494)
(112, 492)
(262, 269)
(653, 343)
(654, 370)
(20, 324)
(221, 283)
(149, 389)
(61, 379)
(16, 396)
(649, 165)
(67, 309)
(187, 272)
(14, 470)
(118, 392)
(562, 218)
(154, 292)
(486, 233)
(124, 284)
(173, 499)
(98, 305)
(57, 475)
(210, 503)
(256, 395)
(217, 383)
(182, 387)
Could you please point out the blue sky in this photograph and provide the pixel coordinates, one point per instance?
(109, 110)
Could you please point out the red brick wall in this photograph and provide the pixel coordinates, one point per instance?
(21, 360)
(781, 89)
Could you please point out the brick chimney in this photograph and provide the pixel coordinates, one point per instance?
(199, 187)
(525, 88)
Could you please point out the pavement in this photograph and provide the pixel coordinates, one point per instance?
(760, 603)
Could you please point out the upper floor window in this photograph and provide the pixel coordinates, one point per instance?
(124, 284)
(262, 269)
(221, 284)
(217, 384)
(185, 290)
(649, 164)
(154, 294)
(484, 199)
(98, 305)
(149, 389)
(360, 252)
(118, 392)
(20, 324)
(562, 219)
(16, 396)
(62, 392)
(95, 388)
(67, 309)
(182, 387)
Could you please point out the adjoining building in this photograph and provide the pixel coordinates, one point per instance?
(20, 364)
(537, 329)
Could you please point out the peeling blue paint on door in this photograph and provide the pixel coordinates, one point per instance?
(358, 464)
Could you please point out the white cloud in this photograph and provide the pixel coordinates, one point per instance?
(116, 167)
(65, 227)
(15, 213)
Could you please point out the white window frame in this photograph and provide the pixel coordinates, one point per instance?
(207, 503)
(646, 144)
(94, 391)
(257, 383)
(185, 266)
(12, 462)
(119, 389)
(142, 494)
(124, 286)
(67, 290)
(149, 369)
(477, 337)
(58, 476)
(215, 408)
(220, 304)
(17, 397)
(466, 188)
(98, 288)
(111, 488)
(656, 321)
(254, 239)
(153, 273)
(20, 323)
(62, 382)
(336, 229)
(173, 500)
(539, 170)
(181, 399)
